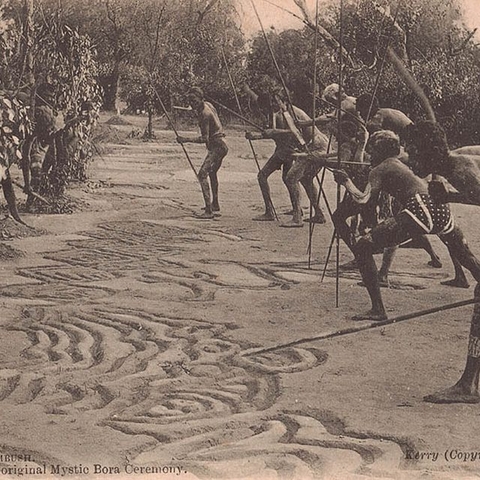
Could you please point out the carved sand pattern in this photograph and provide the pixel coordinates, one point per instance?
(185, 384)
(182, 382)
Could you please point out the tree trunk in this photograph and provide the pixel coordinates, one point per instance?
(26, 44)
(110, 88)
(150, 123)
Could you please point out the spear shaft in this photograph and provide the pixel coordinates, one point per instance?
(232, 83)
(167, 116)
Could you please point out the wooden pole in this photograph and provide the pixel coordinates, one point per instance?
(339, 107)
(175, 131)
(360, 328)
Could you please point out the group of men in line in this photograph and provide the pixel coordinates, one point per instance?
(396, 170)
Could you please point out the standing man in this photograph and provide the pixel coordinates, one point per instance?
(281, 159)
(286, 145)
(427, 148)
(376, 119)
(212, 135)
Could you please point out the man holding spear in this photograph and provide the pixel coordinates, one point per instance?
(212, 135)
(286, 145)
(421, 215)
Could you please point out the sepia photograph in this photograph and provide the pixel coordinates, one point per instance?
(240, 239)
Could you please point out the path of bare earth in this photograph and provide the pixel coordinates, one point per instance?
(124, 329)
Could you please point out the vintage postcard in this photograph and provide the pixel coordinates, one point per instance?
(239, 239)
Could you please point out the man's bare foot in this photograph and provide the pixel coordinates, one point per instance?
(435, 263)
(205, 216)
(292, 224)
(316, 219)
(215, 208)
(456, 394)
(370, 315)
(266, 217)
(456, 282)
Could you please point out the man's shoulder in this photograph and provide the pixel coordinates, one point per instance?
(464, 157)
(389, 164)
(393, 113)
(349, 104)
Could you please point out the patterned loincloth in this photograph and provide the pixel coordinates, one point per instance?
(430, 216)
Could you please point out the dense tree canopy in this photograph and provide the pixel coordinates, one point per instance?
(142, 49)
(428, 35)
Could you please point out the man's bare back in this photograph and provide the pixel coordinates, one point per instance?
(394, 177)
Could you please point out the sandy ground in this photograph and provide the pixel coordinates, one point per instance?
(126, 328)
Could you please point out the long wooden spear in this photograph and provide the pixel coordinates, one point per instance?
(293, 128)
(167, 116)
(360, 328)
(311, 225)
(237, 100)
(339, 106)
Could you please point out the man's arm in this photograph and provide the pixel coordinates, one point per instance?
(204, 132)
(371, 190)
(457, 197)
(270, 134)
(181, 139)
(319, 121)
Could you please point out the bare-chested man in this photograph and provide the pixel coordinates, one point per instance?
(420, 215)
(213, 136)
(375, 119)
(428, 151)
(331, 95)
(287, 144)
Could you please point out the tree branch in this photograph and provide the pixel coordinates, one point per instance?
(324, 33)
(208, 7)
(454, 52)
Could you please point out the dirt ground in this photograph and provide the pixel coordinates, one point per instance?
(126, 328)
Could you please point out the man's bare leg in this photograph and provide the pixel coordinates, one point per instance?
(423, 242)
(263, 174)
(287, 165)
(293, 180)
(460, 280)
(461, 256)
(466, 389)
(312, 193)
(346, 209)
(387, 260)
(214, 184)
(364, 254)
(203, 175)
(386, 235)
